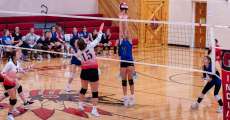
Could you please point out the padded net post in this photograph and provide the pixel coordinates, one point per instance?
(213, 47)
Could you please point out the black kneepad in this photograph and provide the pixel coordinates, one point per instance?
(58, 47)
(13, 102)
(124, 83)
(95, 94)
(83, 91)
(19, 89)
(6, 94)
(131, 82)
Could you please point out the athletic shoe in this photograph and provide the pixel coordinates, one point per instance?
(195, 105)
(27, 104)
(119, 76)
(40, 57)
(67, 88)
(219, 109)
(10, 116)
(65, 55)
(48, 56)
(126, 101)
(81, 106)
(131, 101)
(94, 112)
(15, 111)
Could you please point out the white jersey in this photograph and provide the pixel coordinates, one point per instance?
(88, 56)
(11, 69)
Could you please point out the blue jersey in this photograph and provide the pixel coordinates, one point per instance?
(126, 52)
(7, 40)
(54, 37)
(75, 36)
(72, 44)
(209, 69)
(84, 34)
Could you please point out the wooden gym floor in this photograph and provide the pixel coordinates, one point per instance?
(161, 93)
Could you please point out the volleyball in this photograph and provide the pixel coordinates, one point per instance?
(124, 6)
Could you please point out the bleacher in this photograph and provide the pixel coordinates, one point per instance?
(26, 22)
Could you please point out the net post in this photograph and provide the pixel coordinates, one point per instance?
(225, 76)
(213, 50)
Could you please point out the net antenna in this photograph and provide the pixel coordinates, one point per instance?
(213, 52)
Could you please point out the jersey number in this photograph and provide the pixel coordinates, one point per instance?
(88, 57)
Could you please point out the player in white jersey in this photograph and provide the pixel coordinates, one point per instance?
(89, 72)
(11, 83)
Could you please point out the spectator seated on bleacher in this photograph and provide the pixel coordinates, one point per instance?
(30, 41)
(39, 45)
(57, 39)
(85, 35)
(61, 41)
(104, 45)
(53, 33)
(75, 34)
(17, 36)
(7, 40)
(73, 37)
(106, 41)
(45, 44)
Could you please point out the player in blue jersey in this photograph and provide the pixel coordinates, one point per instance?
(127, 70)
(126, 54)
(212, 81)
(75, 62)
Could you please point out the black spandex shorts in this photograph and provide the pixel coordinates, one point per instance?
(125, 64)
(75, 61)
(6, 87)
(90, 75)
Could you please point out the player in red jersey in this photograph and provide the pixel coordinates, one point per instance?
(89, 72)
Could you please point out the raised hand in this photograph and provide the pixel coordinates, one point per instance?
(101, 27)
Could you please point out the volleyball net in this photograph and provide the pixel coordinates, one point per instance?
(156, 42)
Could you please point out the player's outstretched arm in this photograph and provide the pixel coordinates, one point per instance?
(98, 39)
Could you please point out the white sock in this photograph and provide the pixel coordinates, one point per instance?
(132, 96)
(94, 108)
(80, 103)
(68, 85)
(25, 101)
(126, 97)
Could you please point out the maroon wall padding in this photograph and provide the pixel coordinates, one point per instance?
(114, 36)
(38, 19)
(37, 31)
(22, 26)
(2, 27)
(113, 29)
(80, 24)
(26, 22)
